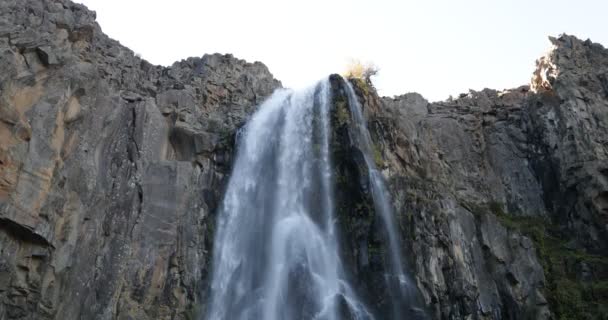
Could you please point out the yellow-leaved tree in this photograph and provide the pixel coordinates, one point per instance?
(358, 70)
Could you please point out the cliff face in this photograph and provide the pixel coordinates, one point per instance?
(111, 170)
(109, 167)
(502, 195)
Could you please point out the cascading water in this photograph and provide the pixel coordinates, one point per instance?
(276, 249)
(402, 290)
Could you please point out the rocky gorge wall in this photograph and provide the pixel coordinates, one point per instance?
(111, 170)
(110, 167)
(501, 196)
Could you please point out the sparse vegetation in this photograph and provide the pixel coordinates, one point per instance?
(569, 297)
(364, 86)
(358, 70)
(342, 113)
(378, 156)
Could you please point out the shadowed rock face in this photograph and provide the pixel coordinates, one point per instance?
(501, 196)
(111, 170)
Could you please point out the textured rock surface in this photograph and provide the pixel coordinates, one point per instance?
(109, 167)
(502, 195)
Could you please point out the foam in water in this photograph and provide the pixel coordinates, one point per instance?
(276, 248)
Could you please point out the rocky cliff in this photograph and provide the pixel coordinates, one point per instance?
(110, 167)
(502, 196)
(111, 170)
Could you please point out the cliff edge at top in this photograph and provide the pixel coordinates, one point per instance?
(110, 167)
(111, 170)
(502, 195)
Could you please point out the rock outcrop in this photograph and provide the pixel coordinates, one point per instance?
(111, 170)
(501, 196)
(110, 167)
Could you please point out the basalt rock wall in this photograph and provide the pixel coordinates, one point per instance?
(111, 170)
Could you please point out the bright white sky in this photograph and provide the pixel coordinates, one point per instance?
(435, 47)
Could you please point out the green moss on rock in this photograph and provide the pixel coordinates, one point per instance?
(342, 113)
(569, 298)
(378, 156)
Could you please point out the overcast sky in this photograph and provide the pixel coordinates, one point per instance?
(437, 48)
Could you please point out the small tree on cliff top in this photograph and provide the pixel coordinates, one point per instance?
(358, 70)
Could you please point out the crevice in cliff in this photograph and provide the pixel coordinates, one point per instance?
(23, 233)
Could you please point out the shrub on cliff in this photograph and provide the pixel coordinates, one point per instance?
(358, 70)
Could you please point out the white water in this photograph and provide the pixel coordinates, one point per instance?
(401, 289)
(276, 249)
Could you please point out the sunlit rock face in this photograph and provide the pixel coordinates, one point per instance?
(112, 173)
(110, 168)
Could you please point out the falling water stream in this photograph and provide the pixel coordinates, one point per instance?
(276, 249)
(276, 253)
(401, 288)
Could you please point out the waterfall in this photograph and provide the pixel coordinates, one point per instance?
(402, 290)
(276, 252)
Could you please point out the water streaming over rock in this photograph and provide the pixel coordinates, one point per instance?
(276, 248)
(402, 290)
